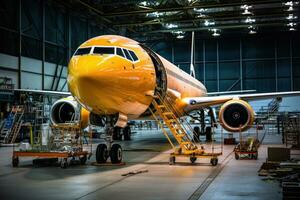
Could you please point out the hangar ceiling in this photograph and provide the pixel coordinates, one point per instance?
(177, 17)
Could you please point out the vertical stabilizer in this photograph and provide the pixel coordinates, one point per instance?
(192, 68)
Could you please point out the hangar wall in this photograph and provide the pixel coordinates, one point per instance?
(263, 62)
(35, 51)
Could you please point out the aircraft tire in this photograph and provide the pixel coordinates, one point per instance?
(101, 153)
(116, 154)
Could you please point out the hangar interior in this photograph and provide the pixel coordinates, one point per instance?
(239, 46)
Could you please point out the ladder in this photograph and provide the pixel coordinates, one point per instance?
(12, 126)
(167, 112)
(163, 109)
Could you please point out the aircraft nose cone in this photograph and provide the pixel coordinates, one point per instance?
(92, 79)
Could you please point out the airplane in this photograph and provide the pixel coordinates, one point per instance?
(113, 79)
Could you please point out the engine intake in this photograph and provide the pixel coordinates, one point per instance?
(236, 115)
(67, 110)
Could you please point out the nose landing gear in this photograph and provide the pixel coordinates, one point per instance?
(114, 151)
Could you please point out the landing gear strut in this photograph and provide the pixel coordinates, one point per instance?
(114, 151)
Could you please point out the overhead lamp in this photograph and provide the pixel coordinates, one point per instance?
(180, 36)
(252, 29)
(201, 10)
(249, 20)
(154, 14)
(291, 24)
(291, 17)
(209, 23)
(246, 9)
(169, 26)
(216, 32)
(148, 3)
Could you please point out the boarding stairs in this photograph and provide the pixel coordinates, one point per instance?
(12, 125)
(164, 112)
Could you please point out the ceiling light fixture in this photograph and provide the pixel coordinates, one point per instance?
(249, 20)
(246, 10)
(170, 26)
(216, 32)
(209, 23)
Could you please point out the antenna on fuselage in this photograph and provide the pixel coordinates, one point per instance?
(192, 68)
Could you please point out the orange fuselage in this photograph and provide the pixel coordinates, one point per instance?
(109, 84)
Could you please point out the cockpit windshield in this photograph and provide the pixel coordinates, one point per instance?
(104, 50)
(82, 51)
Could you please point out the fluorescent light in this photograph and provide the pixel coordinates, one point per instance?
(154, 14)
(216, 32)
(249, 20)
(291, 24)
(209, 23)
(201, 10)
(252, 32)
(292, 29)
(291, 17)
(169, 26)
(180, 36)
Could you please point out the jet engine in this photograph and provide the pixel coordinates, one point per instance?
(236, 115)
(67, 110)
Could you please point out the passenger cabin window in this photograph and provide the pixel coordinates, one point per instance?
(127, 54)
(120, 52)
(82, 51)
(104, 50)
(134, 57)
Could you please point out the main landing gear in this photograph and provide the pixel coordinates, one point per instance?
(114, 151)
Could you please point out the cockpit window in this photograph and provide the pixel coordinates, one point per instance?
(120, 52)
(134, 57)
(82, 51)
(127, 54)
(104, 50)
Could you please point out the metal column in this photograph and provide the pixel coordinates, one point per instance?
(291, 64)
(218, 68)
(20, 44)
(241, 64)
(204, 79)
(43, 46)
(276, 66)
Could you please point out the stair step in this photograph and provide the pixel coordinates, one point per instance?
(171, 120)
(167, 113)
(185, 143)
(161, 106)
(180, 135)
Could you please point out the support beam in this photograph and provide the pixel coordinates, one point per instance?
(43, 45)
(241, 65)
(20, 44)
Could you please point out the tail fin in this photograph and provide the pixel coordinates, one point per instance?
(192, 68)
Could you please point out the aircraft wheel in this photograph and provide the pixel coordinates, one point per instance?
(172, 160)
(64, 163)
(193, 159)
(15, 162)
(214, 161)
(127, 133)
(116, 153)
(101, 153)
(236, 155)
(83, 159)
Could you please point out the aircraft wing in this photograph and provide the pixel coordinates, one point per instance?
(44, 92)
(194, 103)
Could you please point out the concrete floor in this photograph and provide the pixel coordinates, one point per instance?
(149, 150)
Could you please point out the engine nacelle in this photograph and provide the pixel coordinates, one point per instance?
(67, 110)
(236, 115)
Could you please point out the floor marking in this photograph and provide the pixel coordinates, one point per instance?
(211, 177)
